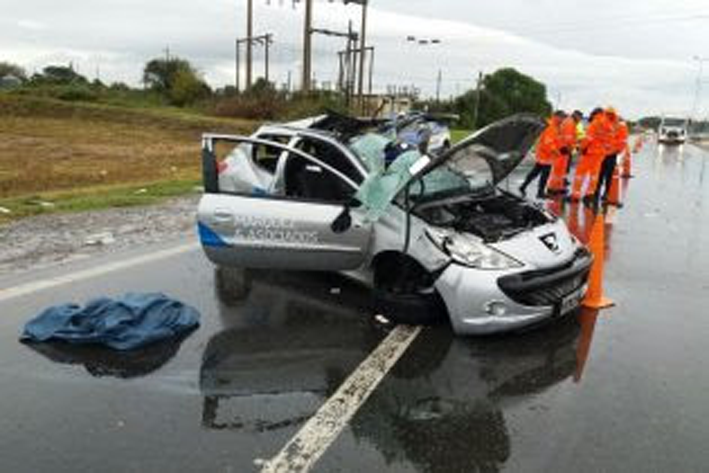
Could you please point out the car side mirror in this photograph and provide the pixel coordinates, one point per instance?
(343, 222)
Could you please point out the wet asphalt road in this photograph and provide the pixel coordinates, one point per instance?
(623, 390)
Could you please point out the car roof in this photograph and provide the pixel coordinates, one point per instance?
(290, 130)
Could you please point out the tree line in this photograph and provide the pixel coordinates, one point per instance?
(175, 81)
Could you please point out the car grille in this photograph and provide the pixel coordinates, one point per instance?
(546, 288)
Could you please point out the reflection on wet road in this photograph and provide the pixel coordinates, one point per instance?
(620, 390)
(617, 391)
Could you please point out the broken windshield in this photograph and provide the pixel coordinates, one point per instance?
(472, 166)
(459, 176)
(371, 149)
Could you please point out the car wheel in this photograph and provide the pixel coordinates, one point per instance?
(404, 293)
(233, 285)
(409, 309)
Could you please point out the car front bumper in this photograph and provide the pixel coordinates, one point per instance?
(672, 140)
(488, 302)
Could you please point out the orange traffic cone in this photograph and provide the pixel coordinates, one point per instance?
(614, 191)
(594, 297)
(587, 320)
(627, 165)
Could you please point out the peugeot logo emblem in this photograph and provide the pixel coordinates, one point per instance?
(551, 242)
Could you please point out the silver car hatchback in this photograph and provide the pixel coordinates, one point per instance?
(435, 238)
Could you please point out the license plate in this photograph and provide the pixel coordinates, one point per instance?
(572, 301)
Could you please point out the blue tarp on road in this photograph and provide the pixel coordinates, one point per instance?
(129, 322)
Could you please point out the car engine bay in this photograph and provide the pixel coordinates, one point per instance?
(493, 218)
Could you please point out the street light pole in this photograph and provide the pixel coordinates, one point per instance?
(698, 86)
(439, 80)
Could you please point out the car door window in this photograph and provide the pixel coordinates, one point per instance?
(330, 155)
(266, 157)
(307, 180)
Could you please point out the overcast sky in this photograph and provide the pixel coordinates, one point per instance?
(636, 55)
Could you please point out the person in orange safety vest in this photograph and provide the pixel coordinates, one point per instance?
(593, 149)
(617, 144)
(560, 168)
(548, 152)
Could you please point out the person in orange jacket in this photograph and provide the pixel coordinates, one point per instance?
(547, 153)
(560, 168)
(617, 143)
(593, 148)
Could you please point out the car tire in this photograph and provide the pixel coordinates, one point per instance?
(399, 300)
(409, 309)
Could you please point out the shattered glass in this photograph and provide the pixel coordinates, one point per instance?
(474, 166)
(380, 188)
(371, 149)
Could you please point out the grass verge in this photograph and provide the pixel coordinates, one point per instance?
(64, 157)
(93, 198)
(459, 135)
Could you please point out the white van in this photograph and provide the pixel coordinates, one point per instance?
(673, 131)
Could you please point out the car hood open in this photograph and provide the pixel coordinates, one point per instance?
(502, 145)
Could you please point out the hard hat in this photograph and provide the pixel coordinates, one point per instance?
(611, 111)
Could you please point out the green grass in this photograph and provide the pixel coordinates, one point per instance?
(83, 156)
(94, 198)
(458, 135)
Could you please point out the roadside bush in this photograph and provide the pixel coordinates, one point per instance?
(187, 88)
(249, 107)
(313, 104)
(76, 93)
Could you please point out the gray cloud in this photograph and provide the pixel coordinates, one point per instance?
(635, 55)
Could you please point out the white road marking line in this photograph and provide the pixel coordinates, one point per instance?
(35, 286)
(308, 445)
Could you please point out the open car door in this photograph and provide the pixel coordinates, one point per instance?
(307, 225)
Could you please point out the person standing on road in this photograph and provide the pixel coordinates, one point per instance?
(561, 167)
(618, 140)
(548, 152)
(592, 151)
(580, 135)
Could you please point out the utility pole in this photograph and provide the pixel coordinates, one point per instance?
(267, 44)
(351, 66)
(249, 44)
(307, 44)
(478, 90)
(238, 65)
(362, 53)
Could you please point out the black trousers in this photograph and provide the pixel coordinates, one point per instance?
(542, 170)
(605, 178)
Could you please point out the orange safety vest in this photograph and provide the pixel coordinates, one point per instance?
(597, 138)
(620, 138)
(569, 133)
(549, 145)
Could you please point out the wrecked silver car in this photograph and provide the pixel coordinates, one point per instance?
(435, 238)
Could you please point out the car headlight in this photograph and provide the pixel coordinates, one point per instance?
(465, 250)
